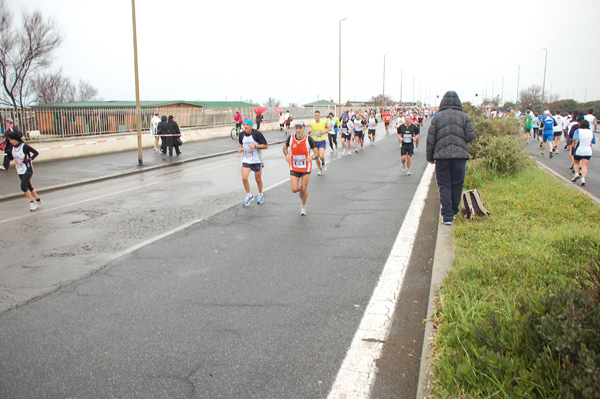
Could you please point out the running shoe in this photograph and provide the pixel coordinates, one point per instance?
(582, 181)
(331, 151)
(260, 199)
(248, 200)
(155, 149)
(542, 153)
(349, 153)
(447, 223)
(303, 211)
(320, 172)
(550, 155)
(324, 168)
(2, 167)
(416, 149)
(403, 168)
(540, 145)
(575, 177)
(356, 150)
(32, 206)
(40, 203)
(408, 173)
(571, 167)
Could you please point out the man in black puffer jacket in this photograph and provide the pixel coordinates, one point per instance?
(450, 131)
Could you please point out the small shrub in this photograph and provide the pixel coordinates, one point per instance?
(564, 337)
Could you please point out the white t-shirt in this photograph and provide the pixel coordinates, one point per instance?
(591, 119)
(154, 124)
(585, 138)
(559, 123)
(372, 123)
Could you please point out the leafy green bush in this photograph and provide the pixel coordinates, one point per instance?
(496, 150)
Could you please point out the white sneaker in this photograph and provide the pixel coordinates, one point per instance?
(2, 167)
(303, 211)
(582, 181)
(575, 177)
(155, 149)
(40, 203)
(320, 172)
(331, 151)
(32, 206)
(349, 153)
(408, 173)
(324, 168)
(403, 168)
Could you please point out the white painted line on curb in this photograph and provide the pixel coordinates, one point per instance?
(357, 373)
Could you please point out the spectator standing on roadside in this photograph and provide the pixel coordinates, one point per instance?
(174, 136)
(450, 131)
(281, 121)
(9, 128)
(161, 130)
(259, 119)
(154, 129)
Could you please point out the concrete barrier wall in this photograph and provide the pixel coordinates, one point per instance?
(95, 145)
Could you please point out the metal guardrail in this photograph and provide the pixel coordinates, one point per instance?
(51, 123)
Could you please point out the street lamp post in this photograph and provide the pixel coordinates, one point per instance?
(383, 93)
(138, 111)
(518, 80)
(544, 84)
(340, 72)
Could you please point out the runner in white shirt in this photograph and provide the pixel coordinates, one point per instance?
(372, 121)
(558, 130)
(582, 140)
(592, 120)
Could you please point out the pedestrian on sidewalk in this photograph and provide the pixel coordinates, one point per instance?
(154, 129)
(450, 131)
(161, 130)
(251, 141)
(23, 155)
(173, 136)
(297, 151)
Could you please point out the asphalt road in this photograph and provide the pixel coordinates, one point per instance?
(160, 285)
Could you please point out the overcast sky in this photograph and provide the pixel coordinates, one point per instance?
(235, 49)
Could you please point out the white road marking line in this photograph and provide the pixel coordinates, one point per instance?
(357, 373)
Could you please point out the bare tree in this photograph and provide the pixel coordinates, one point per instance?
(272, 102)
(531, 96)
(86, 92)
(22, 52)
(52, 88)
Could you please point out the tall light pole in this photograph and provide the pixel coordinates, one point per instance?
(340, 72)
(544, 84)
(400, 86)
(383, 96)
(518, 80)
(138, 111)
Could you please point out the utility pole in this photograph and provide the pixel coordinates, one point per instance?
(340, 72)
(544, 84)
(138, 111)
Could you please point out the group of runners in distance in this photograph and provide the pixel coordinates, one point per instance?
(309, 143)
(575, 127)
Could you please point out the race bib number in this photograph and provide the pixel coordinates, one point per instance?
(319, 134)
(248, 152)
(407, 138)
(299, 161)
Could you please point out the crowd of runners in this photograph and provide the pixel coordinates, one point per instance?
(310, 142)
(575, 129)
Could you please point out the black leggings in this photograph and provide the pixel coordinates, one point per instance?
(26, 182)
(332, 140)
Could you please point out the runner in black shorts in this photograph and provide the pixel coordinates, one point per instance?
(408, 133)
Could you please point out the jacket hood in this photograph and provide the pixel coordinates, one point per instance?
(451, 100)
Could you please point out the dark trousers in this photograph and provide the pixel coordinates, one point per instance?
(450, 176)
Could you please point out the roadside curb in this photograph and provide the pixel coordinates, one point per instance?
(140, 169)
(442, 263)
(567, 182)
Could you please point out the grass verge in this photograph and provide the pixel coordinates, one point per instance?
(507, 267)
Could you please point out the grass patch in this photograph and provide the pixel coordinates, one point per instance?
(510, 269)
